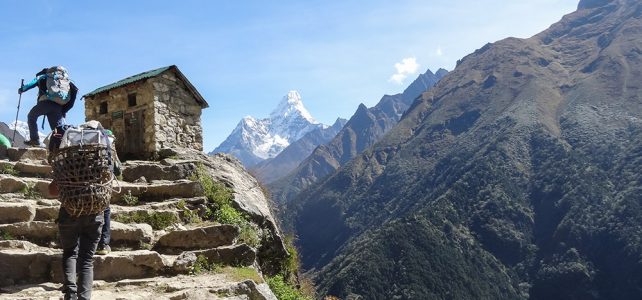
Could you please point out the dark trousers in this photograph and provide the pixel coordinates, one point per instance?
(105, 236)
(78, 238)
(48, 108)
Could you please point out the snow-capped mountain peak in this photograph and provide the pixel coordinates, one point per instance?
(23, 129)
(254, 140)
(290, 105)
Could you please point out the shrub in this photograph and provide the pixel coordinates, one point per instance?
(9, 170)
(202, 265)
(249, 234)
(189, 216)
(30, 191)
(285, 291)
(130, 199)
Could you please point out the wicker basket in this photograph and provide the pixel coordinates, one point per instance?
(84, 178)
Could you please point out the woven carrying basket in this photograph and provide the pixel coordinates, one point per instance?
(84, 178)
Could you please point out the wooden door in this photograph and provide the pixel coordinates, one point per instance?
(134, 143)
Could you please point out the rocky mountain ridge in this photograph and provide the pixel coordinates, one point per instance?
(254, 140)
(364, 128)
(273, 169)
(515, 177)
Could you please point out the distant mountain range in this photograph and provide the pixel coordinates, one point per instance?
(275, 168)
(516, 177)
(255, 140)
(364, 128)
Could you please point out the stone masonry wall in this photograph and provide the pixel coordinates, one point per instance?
(117, 102)
(177, 121)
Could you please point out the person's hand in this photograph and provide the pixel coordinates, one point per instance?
(19, 90)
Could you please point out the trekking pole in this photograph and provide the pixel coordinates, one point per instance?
(15, 125)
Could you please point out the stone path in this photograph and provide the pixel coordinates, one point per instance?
(149, 261)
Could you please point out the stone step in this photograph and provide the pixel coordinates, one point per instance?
(46, 233)
(166, 169)
(30, 153)
(213, 285)
(14, 208)
(32, 187)
(155, 191)
(39, 169)
(204, 237)
(23, 262)
(178, 210)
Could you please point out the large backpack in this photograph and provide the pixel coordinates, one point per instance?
(58, 85)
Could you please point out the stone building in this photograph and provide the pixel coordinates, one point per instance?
(149, 111)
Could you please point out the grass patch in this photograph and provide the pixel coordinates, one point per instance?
(220, 209)
(242, 274)
(292, 263)
(202, 265)
(189, 216)
(130, 199)
(9, 170)
(6, 236)
(30, 191)
(284, 290)
(158, 220)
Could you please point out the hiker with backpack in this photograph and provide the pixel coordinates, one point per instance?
(83, 164)
(56, 96)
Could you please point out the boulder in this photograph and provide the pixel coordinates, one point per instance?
(199, 238)
(157, 190)
(25, 266)
(9, 184)
(253, 290)
(17, 244)
(33, 231)
(30, 168)
(131, 233)
(16, 212)
(236, 255)
(167, 170)
(16, 154)
(46, 213)
(128, 264)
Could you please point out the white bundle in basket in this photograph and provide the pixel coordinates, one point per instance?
(89, 133)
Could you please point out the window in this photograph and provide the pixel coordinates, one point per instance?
(131, 99)
(103, 108)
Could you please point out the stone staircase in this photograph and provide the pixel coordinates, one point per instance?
(158, 250)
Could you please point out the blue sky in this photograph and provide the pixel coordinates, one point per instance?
(244, 56)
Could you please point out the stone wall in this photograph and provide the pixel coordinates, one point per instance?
(177, 120)
(172, 117)
(118, 107)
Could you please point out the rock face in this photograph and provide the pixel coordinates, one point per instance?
(162, 213)
(516, 177)
(364, 128)
(253, 141)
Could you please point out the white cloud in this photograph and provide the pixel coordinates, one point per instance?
(406, 67)
(439, 52)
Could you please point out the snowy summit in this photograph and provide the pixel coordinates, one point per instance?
(254, 140)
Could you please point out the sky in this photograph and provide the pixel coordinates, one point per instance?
(244, 56)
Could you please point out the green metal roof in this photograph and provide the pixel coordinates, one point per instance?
(130, 79)
(150, 74)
